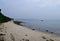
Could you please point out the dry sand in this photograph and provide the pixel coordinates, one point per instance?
(19, 33)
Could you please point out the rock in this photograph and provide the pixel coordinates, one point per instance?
(43, 37)
(27, 40)
(33, 29)
(51, 32)
(46, 30)
(47, 40)
(26, 35)
(51, 40)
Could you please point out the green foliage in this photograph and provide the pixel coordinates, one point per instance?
(4, 18)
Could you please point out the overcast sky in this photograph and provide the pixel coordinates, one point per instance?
(31, 9)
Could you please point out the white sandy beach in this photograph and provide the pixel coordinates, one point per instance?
(19, 33)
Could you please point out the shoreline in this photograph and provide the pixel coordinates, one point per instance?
(41, 30)
(50, 32)
(19, 23)
(21, 33)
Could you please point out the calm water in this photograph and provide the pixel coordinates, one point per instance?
(51, 25)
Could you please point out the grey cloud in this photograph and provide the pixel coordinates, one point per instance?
(45, 9)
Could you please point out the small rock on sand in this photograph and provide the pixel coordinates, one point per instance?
(47, 40)
(43, 37)
(33, 29)
(26, 35)
(51, 40)
(27, 40)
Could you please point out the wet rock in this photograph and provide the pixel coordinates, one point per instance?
(33, 29)
(47, 31)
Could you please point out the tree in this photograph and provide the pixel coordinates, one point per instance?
(4, 18)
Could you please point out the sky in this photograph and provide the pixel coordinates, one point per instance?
(31, 9)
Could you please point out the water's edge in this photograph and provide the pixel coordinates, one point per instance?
(53, 26)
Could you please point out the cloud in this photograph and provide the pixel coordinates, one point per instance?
(33, 8)
(32, 3)
(43, 3)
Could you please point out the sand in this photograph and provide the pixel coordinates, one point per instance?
(20, 33)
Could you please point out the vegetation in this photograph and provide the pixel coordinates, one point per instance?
(3, 18)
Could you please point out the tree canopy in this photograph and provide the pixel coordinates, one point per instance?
(4, 18)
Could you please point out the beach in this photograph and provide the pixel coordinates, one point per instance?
(14, 32)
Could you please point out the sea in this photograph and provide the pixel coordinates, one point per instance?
(42, 25)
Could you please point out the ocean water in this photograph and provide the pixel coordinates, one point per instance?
(51, 25)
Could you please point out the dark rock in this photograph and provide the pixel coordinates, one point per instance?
(1, 34)
(51, 40)
(52, 32)
(47, 40)
(1, 40)
(23, 39)
(18, 22)
(26, 35)
(43, 37)
(27, 40)
(33, 29)
(46, 30)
